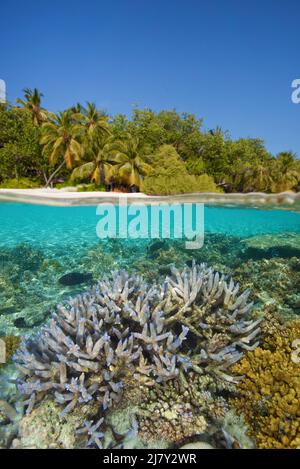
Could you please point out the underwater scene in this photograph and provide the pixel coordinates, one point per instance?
(143, 343)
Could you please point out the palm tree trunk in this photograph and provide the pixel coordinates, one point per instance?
(44, 176)
(102, 174)
(54, 174)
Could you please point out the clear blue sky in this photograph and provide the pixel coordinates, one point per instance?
(229, 61)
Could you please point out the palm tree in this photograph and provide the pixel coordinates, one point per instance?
(287, 175)
(129, 156)
(32, 102)
(76, 109)
(100, 169)
(95, 121)
(254, 177)
(62, 137)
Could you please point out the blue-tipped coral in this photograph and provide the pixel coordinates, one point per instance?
(94, 435)
(196, 320)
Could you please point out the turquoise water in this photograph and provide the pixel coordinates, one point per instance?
(39, 245)
(48, 227)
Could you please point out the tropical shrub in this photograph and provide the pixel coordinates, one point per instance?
(170, 176)
(20, 152)
(21, 183)
(91, 188)
(206, 183)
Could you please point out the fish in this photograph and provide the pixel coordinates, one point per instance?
(75, 278)
(20, 323)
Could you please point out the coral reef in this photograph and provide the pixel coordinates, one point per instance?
(180, 409)
(24, 256)
(197, 445)
(11, 345)
(22, 291)
(45, 427)
(9, 420)
(173, 426)
(269, 393)
(273, 283)
(27, 295)
(235, 429)
(130, 378)
(195, 321)
(266, 246)
(9, 416)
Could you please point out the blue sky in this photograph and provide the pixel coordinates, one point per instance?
(231, 62)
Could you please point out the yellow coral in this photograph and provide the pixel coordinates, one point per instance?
(269, 394)
(11, 345)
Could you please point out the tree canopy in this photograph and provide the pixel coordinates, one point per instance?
(157, 152)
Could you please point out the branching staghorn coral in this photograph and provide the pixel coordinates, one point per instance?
(195, 321)
(92, 430)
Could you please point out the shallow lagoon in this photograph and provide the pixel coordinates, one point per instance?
(259, 248)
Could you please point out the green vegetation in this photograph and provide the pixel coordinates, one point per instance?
(156, 152)
(90, 188)
(169, 175)
(20, 183)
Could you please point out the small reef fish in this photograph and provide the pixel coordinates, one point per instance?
(75, 278)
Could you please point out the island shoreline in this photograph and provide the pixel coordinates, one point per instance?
(67, 197)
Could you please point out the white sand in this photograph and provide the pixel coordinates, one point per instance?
(65, 197)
